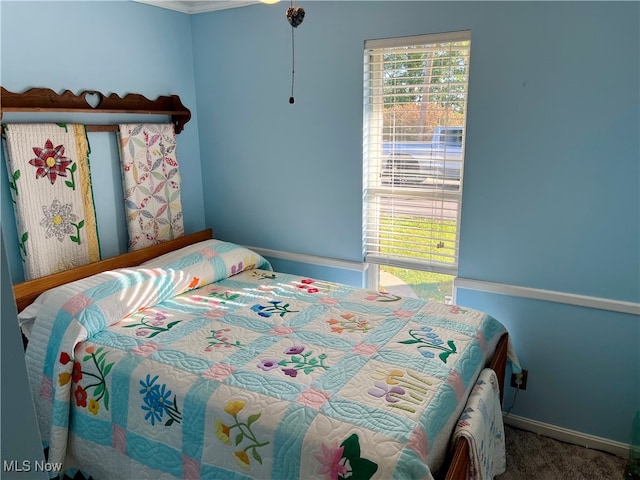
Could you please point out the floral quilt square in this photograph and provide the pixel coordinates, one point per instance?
(150, 323)
(217, 340)
(433, 343)
(391, 388)
(300, 362)
(239, 428)
(156, 406)
(345, 324)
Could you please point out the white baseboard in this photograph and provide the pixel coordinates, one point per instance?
(570, 436)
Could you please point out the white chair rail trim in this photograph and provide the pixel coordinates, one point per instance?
(311, 259)
(549, 295)
(600, 303)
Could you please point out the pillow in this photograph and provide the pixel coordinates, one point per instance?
(187, 268)
(178, 254)
(231, 259)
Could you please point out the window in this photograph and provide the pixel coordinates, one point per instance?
(415, 99)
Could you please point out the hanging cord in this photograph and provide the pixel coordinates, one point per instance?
(293, 62)
(513, 404)
(295, 16)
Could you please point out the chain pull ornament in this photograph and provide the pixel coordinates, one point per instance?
(295, 16)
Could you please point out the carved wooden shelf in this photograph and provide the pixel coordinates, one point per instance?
(92, 101)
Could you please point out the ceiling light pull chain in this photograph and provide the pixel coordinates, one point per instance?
(295, 16)
(293, 64)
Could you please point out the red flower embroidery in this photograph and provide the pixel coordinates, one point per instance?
(81, 396)
(77, 372)
(50, 161)
(64, 358)
(306, 285)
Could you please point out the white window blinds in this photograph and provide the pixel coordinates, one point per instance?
(415, 99)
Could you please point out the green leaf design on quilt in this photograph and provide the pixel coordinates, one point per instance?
(361, 468)
(245, 434)
(22, 245)
(13, 184)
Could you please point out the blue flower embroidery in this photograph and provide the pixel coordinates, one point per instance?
(157, 402)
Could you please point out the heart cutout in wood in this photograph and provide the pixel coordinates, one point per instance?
(93, 99)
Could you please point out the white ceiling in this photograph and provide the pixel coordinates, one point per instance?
(198, 6)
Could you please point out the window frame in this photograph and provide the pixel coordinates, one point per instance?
(373, 158)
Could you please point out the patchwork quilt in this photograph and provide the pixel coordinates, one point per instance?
(151, 181)
(204, 363)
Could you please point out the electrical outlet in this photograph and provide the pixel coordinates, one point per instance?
(519, 383)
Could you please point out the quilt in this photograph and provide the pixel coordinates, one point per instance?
(482, 426)
(151, 182)
(205, 363)
(50, 184)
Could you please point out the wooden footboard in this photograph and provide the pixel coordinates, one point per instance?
(460, 460)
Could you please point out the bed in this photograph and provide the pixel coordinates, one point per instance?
(194, 359)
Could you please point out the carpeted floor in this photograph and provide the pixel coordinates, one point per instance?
(534, 457)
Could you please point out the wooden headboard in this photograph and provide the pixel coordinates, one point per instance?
(28, 291)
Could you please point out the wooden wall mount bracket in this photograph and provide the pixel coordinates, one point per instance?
(92, 101)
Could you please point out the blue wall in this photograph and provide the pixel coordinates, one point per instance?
(552, 173)
(551, 193)
(19, 438)
(114, 47)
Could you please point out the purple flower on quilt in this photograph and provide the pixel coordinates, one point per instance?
(296, 349)
(381, 390)
(142, 333)
(268, 364)
(159, 319)
(306, 363)
(237, 268)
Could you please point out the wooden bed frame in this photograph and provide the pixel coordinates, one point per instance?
(25, 293)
